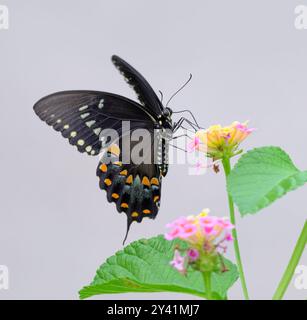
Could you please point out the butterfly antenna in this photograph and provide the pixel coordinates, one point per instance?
(129, 222)
(170, 99)
(161, 94)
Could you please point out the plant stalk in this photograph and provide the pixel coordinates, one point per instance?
(227, 169)
(296, 256)
(207, 282)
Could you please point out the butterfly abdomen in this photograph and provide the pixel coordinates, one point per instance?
(163, 137)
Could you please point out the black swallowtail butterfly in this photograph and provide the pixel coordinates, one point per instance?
(82, 116)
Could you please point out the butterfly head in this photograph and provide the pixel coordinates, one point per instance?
(165, 119)
(167, 112)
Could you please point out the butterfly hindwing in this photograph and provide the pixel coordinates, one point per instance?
(136, 190)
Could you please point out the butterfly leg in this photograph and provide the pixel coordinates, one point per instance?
(180, 136)
(194, 125)
(180, 123)
(176, 147)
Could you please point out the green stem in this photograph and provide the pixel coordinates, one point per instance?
(207, 282)
(227, 169)
(296, 256)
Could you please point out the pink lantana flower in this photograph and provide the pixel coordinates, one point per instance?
(178, 262)
(205, 235)
(194, 144)
(193, 255)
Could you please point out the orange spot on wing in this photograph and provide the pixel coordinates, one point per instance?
(146, 211)
(124, 205)
(123, 173)
(115, 195)
(104, 167)
(114, 149)
(134, 214)
(156, 198)
(108, 182)
(154, 181)
(129, 180)
(146, 182)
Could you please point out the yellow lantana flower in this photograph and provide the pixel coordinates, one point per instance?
(218, 142)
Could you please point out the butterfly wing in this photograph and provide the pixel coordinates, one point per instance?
(81, 116)
(144, 91)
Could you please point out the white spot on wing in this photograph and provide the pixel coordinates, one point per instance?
(97, 131)
(84, 115)
(88, 148)
(73, 134)
(83, 108)
(80, 142)
(101, 104)
(90, 123)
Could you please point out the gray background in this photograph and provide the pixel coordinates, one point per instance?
(248, 62)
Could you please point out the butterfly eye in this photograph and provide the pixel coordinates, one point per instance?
(167, 112)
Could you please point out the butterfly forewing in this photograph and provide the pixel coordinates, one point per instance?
(81, 116)
(144, 91)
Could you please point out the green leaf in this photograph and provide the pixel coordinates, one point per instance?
(261, 176)
(144, 266)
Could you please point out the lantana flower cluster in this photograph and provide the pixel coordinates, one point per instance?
(218, 142)
(206, 238)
